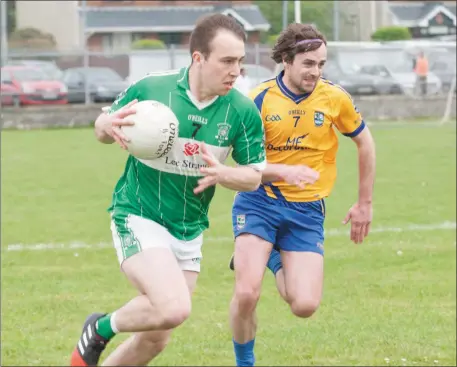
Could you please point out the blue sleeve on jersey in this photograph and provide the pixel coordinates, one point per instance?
(356, 131)
(259, 99)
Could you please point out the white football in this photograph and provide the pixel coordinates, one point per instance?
(154, 132)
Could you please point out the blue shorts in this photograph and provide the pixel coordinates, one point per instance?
(289, 226)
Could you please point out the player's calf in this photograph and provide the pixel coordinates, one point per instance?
(139, 349)
(251, 256)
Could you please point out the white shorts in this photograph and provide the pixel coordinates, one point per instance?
(135, 234)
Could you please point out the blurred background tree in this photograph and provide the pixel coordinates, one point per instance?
(392, 33)
(319, 13)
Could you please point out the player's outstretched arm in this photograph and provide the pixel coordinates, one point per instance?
(367, 162)
(108, 126)
(240, 178)
(361, 214)
(298, 175)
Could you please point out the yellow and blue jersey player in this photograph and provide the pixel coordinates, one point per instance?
(281, 225)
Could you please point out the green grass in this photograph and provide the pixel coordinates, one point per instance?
(56, 186)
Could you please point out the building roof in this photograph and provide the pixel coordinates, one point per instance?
(412, 14)
(168, 18)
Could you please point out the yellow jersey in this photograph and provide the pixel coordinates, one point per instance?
(300, 129)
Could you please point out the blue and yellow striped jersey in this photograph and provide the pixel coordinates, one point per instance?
(299, 129)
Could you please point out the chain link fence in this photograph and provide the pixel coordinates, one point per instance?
(360, 68)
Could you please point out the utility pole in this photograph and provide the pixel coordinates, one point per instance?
(336, 20)
(83, 15)
(285, 15)
(4, 32)
(297, 7)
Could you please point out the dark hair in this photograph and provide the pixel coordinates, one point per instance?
(206, 29)
(295, 39)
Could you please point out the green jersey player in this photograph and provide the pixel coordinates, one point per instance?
(160, 207)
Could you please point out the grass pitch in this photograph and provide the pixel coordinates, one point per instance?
(390, 301)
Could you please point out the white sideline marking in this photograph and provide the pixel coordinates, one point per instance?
(328, 233)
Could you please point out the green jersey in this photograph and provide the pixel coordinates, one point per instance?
(162, 189)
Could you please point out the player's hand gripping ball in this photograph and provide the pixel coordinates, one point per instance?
(154, 130)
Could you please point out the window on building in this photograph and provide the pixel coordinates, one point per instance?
(138, 36)
(107, 41)
(171, 38)
(122, 41)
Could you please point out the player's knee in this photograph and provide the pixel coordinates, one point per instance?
(175, 316)
(304, 307)
(246, 298)
(175, 313)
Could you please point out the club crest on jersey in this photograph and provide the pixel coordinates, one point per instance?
(240, 221)
(222, 133)
(318, 118)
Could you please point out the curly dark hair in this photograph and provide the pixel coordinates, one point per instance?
(295, 39)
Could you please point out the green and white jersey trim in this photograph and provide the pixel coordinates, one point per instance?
(185, 158)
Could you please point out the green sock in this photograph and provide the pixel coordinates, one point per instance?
(104, 327)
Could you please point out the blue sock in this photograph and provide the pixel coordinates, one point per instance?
(244, 353)
(274, 262)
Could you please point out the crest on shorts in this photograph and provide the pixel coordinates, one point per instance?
(240, 221)
(129, 240)
(318, 118)
(222, 132)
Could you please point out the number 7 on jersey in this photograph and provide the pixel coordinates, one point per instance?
(297, 118)
(197, 127)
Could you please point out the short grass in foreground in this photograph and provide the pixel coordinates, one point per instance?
(377, 304)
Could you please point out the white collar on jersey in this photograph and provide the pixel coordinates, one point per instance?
(197, 103)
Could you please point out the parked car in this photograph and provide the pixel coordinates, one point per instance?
(398, 64)
(445, 70)
(354, 81)
(49, 67)
(405, 79)
(104, 84)
(383, 72)
(357, 83)
(23, 85)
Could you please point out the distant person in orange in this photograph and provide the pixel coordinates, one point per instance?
(421, 70)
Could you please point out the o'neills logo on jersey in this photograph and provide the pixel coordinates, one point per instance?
(171, 140)
(199, 119)
(297, 112)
